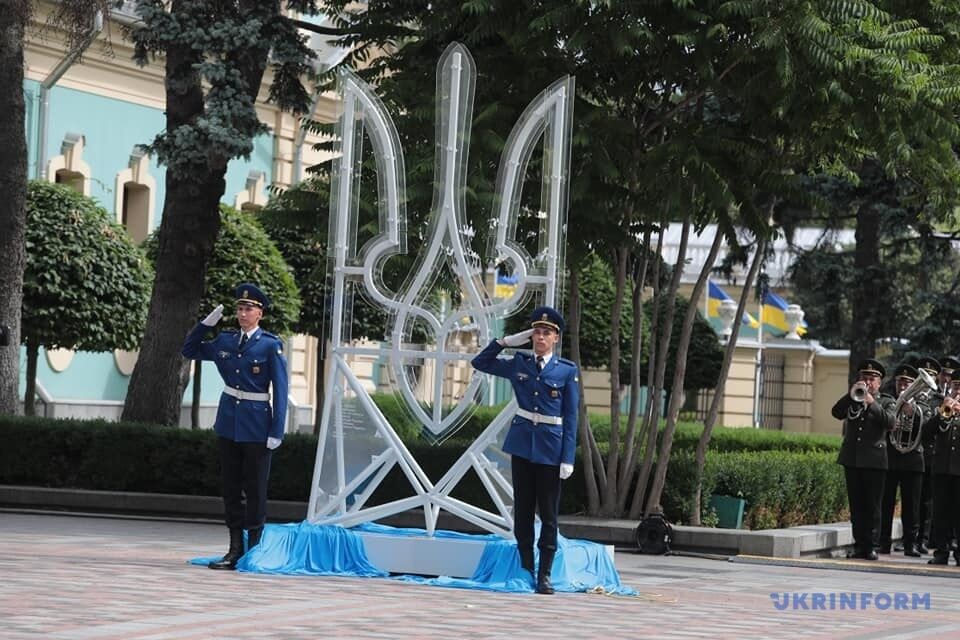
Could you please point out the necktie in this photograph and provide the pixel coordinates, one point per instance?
(243, 340)
(539, 363)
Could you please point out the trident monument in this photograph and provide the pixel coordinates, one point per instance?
(358, 446)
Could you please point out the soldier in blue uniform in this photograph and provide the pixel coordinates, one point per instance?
(250, 362)
(542, 439)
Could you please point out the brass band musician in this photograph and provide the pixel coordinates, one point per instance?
(867, 417)
(946, 474)
(904, 470)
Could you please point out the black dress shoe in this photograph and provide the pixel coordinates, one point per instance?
(885, 549)
(229, 560)
(544, 586)
(911, 551)
(922, 548)
(897, 547)
(939, 558)
(870, 555)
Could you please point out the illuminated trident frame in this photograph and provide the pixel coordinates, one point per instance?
(357, 445)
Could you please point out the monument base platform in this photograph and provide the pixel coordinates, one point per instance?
(456, 559)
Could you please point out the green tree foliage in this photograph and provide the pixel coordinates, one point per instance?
(216, 56)
(86, 284)
(73, 19)
(245, 253)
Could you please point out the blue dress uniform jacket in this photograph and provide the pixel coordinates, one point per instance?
(553, 392)
(254, 368)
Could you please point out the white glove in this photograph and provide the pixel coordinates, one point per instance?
(214, 317)
(273, 443)
(517, 339)
(566, 470)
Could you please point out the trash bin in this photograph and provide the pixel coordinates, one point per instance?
(729, 511)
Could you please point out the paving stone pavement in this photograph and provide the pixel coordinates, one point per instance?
(73, 577)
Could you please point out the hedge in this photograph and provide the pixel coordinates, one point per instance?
(782, 488)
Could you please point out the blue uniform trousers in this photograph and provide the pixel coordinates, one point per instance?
(536, 487)
(244, 469)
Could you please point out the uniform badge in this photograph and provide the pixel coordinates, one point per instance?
(223, 355)
(554, 393)
(256, 369)
(522, 376)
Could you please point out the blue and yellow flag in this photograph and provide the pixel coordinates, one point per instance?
(505, 285)
(771, 315)
(717, 295)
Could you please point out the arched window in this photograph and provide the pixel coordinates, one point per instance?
(135, 194)
(69, 168)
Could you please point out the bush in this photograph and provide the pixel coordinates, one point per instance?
(782, 488)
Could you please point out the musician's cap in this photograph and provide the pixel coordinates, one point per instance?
(906, 371)
(248, 293)
(872, 366)
(929, 364)
(955, 375)
(547, 317)
(949, 364)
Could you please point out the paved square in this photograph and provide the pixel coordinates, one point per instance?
(76, 577)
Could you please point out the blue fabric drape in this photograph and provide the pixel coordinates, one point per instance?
(312, 549)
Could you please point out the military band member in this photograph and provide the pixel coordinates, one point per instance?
(250, 362)
(904, 470)
(543, 434)
(946, 366)
(946, 476)
(867, 416)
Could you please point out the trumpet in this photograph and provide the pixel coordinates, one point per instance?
(859, 392)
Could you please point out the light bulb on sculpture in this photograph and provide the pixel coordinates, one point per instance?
(793, 314)
(727, 313)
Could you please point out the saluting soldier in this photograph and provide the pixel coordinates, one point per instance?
(946, 476)
(251, 363)
(904, 470)
(867, 416)
(542, 438)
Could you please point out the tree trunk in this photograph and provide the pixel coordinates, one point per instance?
(610, 500)
(650, 412)
(867, 312)
(195, 401)
(633, 446)
(188, 230)
(30, 394)
(587, 446)
(13, 187)
(704, 442)
(679, 373)
(191, 221)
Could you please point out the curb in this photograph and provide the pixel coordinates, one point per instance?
(794, 542)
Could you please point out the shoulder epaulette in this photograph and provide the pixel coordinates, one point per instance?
(569, 362)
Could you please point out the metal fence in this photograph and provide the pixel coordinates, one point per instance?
(770, 397)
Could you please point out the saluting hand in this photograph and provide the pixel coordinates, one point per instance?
(517, 339)
(214, 317)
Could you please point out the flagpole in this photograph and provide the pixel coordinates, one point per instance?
(758, 370)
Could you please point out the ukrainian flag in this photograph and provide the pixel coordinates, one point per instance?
(717, 295)
(771, 315)
(505, 285)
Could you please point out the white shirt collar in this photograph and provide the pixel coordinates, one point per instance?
(249, 333)
(546, 358)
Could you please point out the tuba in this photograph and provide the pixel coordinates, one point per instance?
(921, 397)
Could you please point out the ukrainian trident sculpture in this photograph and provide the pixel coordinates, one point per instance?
(358, 446)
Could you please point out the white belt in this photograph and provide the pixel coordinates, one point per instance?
(537, 418)
(246, 395)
